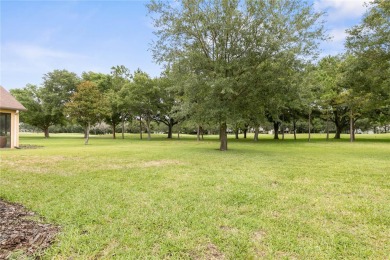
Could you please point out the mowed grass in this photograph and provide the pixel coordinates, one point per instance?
(183, 199)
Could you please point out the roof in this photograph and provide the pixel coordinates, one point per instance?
(7, 101)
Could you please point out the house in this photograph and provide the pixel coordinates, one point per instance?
(9, 119)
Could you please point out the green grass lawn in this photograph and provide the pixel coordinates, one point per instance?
(184, 199)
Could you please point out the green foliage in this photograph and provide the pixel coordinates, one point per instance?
(101, 80)
(346, 90)
(120, 106)
(370, 43)
(142, 97)
(87, 106)
(57, 88)
(169, 104)
(333, 98)
(220, 46)
(30, 97)
(45, 104)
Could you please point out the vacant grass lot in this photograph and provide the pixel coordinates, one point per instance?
(185, 199)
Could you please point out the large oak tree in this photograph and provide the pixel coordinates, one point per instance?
(45, 104)
(222, 43)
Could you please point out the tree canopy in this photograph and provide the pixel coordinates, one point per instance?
(45, 104)
(87, 106)
(220, 44)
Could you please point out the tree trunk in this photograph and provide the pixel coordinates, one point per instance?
(236, 133)
(309, 126)
(178, 132)
(340, 123)
(148, 128)
(140, 127)
(123, 127)
(87, 133)
(245, 130)
(198, 133)
(295, 129)
(276, 130)
(46, 132)
(170, 126)
(327, 127)
(256, 138)
(113, 131)
(223, 137)
(338, 133)
(351, 128)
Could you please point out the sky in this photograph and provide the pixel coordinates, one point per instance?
(39, 36)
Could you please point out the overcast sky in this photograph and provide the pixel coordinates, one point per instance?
(40, 36)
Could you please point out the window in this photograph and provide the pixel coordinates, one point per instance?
(5, 130)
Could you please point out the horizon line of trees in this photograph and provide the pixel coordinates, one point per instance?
(231, 64)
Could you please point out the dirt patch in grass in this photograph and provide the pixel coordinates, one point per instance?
(210, 251)
(258, 241)
(259, 236)
(34, 164)
(161, 163)
(20, 234)
(109, 250)
(228, 229)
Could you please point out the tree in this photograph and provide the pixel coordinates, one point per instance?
(167, 105)
(143, 98)
(369, 42)
(37, 114)
(45, 104)
(101, 80)
(354, 81)
(108, 85)
(283, 89)
(222, 42)
(191, 93)
(87, 106)
(120, 77)
(56, 90)
(328, 77)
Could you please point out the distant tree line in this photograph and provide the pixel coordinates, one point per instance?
(231, 66)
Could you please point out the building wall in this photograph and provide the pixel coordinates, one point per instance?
(14, 126)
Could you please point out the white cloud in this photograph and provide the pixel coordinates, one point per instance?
(336, 44)
(23, 57)
(23, 63)
(338, 35)
(27, 51)
(341, 9)
(340, 15)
